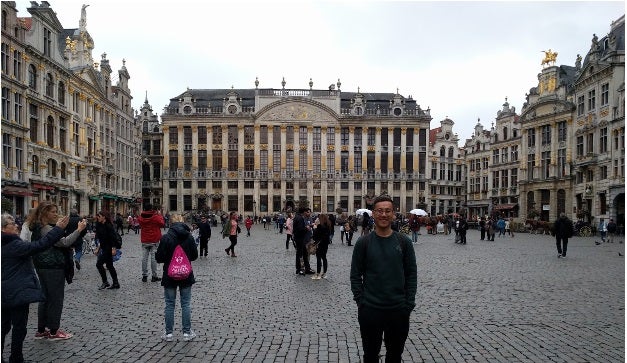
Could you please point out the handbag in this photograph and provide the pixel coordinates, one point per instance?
(312, 247)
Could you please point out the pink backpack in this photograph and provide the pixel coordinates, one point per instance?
(180, 267)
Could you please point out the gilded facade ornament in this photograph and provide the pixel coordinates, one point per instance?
(330, 147)
(403, 130)
(263, 147)
(371, 148)
(549, 57)
(344, 147)
(303, 147)
(289, 147)
(173, 146)
(216, 147)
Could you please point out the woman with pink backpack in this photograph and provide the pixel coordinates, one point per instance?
(176, 251)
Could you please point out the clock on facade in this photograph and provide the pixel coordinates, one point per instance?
(187, 110)
(232, 109)
(397, 111)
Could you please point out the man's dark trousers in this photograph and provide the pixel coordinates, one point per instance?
(376, 325)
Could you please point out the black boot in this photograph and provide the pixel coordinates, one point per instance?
(115, 285)
(105, 285)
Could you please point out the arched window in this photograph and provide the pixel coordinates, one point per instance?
(35, 165)
(63, 171)
(49, 85)
(50, 131)
(61, 93)
(442, 151)
(145, 126)
(504, 133)
(451, 152)
(32, 77)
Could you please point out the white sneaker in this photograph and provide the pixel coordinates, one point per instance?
(167, 337)
(189, 336)
(315, 277)
(324, 276)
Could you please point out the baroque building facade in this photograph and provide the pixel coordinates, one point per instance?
(599, 137)
(493, 162)
(267, 150)
(447, 171)
(70, 135)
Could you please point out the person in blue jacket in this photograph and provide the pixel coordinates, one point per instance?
(20, 285)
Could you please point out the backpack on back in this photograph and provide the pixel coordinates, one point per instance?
(180, 267)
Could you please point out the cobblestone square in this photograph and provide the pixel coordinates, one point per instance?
(511, 300)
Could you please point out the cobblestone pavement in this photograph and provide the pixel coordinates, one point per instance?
(511, 300)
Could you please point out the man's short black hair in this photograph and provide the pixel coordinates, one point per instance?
(382, 198)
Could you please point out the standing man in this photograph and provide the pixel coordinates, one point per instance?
(611, 230)
(603, 228)
(384, 280)
(150, 222)
(119, 224)
(563, 231)
(204, 234)
(301, 229)
(463, 227)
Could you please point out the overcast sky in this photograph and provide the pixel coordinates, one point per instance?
(460, 59)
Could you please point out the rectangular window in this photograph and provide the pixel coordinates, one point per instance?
(317, 162)
(344, 136)
(289, 135)
(495, 157)
(357, 162)
(330, 135)
(561, 163)
(495, 179)
(384, 137)
(605, 94)
(276, 161)
(187, 160)
(545, 164)
(531, 137)
(233, 160)
(302, 135)
(289, 161)
(591, 100)
(515, 153)
(216, 135)
(249, 135)
(504, 178)
(5, 58)
(6, 103)
(216, 160)
(370, 162)
(174, 159)
(603, 140)
(202, 135)
(590, 143)
(514, 177)
(317, 139)
(276, 136)
(174, 135)
(330, 161)
(263, 134)
(344, 161)
(561, 131)
(17, 65)
(531, 165)
(187, 135)
(47, 42)
(6, 150)
(546, 134)
(62, 134)
(357, 137)
(372, 136)
(173, 202)
(249, 160)
(263, 160)
(580, 105)
(579, 145)
(233, 137)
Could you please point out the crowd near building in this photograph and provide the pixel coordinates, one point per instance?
(70, 135)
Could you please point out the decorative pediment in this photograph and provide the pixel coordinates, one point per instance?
(291, 110)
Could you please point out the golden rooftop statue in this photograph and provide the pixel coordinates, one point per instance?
(549, 57)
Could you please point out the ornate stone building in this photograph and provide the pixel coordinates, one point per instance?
(493, 161)
(447, 173)
(598, 157)
(265, 150)
(152, 156)
(69, 134)
(477, 158)
(546, 154)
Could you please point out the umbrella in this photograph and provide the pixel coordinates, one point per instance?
(418, 212)
(362, 211)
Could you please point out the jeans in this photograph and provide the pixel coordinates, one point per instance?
(149, 249)
(169, 295)
(16, 318)
(78, 251)
(414, 236)
(603, 234)
(204, 246)
(376, 325)
(562, 245)
(301, 252)
(49, 311)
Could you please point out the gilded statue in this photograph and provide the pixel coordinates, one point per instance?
(549, 57)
